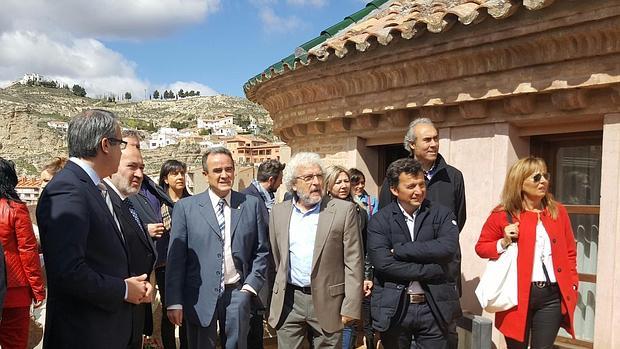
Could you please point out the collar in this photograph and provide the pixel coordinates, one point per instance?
(109, 182)
(314, 208)
(215, 199)
(407, 216)
(266, 194)
(87, 168)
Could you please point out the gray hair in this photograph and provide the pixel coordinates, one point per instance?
(215, 150)
(410, 137)
(299, 159)
(87, 129)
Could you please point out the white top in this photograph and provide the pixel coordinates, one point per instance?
(414, 286)
(542, 254)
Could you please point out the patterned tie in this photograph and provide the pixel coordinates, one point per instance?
(134, 214)
(221, 221)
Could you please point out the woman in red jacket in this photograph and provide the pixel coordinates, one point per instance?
(24, 277)
(546, 262)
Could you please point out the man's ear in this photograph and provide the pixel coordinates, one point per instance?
(271, 180)
(394, 191)
(105, 145)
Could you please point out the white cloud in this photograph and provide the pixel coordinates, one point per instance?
(61, 39)
(315, 3)
(109, 19)
(274, 23)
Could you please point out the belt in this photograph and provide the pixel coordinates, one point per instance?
(304, 290)
(543, 284)
(417, 298)
(234, 285)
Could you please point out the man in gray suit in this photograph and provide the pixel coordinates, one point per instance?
(217, 258)
(317, 250)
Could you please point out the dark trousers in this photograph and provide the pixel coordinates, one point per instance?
(544, 317)
(418, 330)
(232, 313)
(167, 328)
(255, 336)
(369, 332)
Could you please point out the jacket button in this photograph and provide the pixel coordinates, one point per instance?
(559, 270)
(216, 289)
(219, 255)
(553, 240)
(568, 298)
(217, 272)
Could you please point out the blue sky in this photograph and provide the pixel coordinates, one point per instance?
(210, 45)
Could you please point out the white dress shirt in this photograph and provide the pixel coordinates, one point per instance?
(414, 286)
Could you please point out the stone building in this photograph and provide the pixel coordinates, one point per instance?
(501, 79)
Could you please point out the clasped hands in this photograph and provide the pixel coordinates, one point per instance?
(139, 290)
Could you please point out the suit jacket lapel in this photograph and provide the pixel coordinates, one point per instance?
(209, 213)
(118, 209)
(399, 219)
(236, 208)
(284, 228)
(326, 218)
(422, 213)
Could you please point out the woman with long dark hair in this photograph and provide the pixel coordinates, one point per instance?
(172, 180)
(546, 262)
(25, 284)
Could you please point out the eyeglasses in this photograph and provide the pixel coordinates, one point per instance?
(115, 141)
(537, 177)
(309, 178)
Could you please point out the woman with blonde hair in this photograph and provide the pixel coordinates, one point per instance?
(338, 185)
(546, 261)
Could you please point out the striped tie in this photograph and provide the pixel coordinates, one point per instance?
(221, 221)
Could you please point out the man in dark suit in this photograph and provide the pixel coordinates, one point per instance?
(217, 258)
(121, 186)
(90, 286)
(268, 179)
(411, 243)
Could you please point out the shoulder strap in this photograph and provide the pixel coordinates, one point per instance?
(509, 217)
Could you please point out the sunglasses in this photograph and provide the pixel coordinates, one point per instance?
(537, 177)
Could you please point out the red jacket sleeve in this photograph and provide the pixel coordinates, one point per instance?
(571, 250)
(492, 230)
(28, 251)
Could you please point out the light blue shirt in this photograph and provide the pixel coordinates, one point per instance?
(301, 234)
(89, 170)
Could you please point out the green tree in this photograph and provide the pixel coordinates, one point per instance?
(128, 95)
(181, 93)
(78, 91)
(156, 94)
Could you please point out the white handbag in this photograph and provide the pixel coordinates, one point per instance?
(497, 290)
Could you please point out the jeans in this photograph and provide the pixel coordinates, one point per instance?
(544, 317)
(349, 337)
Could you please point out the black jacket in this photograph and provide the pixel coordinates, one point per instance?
(446, 187)
(425, 260)
(141, 250)
(147, 216)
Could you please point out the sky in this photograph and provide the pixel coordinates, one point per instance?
(138, 46)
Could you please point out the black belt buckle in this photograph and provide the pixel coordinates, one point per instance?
(541, 284)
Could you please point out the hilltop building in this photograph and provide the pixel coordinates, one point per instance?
(28, 190)
(501, 80)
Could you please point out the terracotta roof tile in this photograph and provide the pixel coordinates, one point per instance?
(25, 182)
(385, 20)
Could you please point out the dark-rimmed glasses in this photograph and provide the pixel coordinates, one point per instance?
(115, 141)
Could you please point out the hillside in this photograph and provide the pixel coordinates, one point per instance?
(26, 138)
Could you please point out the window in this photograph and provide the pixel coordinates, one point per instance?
(574, 161)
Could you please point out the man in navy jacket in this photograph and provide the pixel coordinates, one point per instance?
(268, 179)
(411, 243)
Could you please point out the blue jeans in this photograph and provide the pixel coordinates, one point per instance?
(348, 337)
